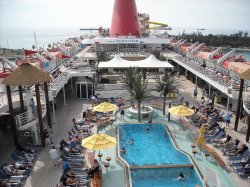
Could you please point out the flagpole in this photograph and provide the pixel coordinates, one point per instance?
(35, 40)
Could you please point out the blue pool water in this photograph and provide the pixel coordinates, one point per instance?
(152, 148)
(164, 177)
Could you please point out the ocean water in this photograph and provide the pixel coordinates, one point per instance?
(18, 39)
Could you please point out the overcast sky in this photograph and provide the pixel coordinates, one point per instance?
(39, 14)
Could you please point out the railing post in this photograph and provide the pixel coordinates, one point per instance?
(13, 121)
(39, 113)
(239, 105)
(47, 104)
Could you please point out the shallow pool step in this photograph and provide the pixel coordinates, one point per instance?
(164, 166)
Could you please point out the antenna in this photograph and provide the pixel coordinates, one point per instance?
(35, 40)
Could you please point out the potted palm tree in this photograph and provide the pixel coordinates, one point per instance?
(165, 86)
(139, 90)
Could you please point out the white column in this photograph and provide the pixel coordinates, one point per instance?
(209, 89)
(80, 86)
(196, 80)
(64, 99)
(34, 129)
(228, 100)
(53, 109)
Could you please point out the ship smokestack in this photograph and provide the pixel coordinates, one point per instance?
(125, 19)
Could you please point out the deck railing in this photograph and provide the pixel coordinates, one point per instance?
(27, 117)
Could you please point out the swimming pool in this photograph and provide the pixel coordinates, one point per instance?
(164, 177)
(152, 148)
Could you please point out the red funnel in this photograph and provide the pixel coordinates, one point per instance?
(125, 19)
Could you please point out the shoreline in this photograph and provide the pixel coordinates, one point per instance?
(242, 49)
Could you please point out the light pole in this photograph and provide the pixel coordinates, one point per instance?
(170, 97)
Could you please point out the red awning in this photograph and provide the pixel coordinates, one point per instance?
(29, 52)
(65, 56)
(4, 74)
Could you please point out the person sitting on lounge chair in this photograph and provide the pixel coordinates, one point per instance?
(94, 169)
(240, 150)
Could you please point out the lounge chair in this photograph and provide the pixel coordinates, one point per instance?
(217, 136)
(238, 158)
(11, 179)
(243, 171)
(241, 164)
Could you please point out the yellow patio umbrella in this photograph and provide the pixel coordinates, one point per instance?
(201, 138)
(105, 107)
(181, 110)
(98, 142)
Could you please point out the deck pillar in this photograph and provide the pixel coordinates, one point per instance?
(21, 98)
(47, 104)
(239, 105)
(39, 114)
(248, 128)
(12, 117)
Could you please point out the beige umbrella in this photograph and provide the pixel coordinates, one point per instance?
(105, 107)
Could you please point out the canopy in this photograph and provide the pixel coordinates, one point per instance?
(105, 107)
(238, 67)
(26, 74)
(150, 62)
(98, 142)
(181, 111)
(245, 75)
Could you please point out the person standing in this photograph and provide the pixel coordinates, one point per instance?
(227, 118)
(122, 111)
(195, 93)
(54, 155)
(212, 97)
(33, 105)
(50, 135)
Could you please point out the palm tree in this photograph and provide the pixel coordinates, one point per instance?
(101, 57)
(128, 79)
(139, 91)
(165, 86)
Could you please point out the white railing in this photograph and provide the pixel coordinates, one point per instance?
(246, 103)
(243, 124)
(24, 118)
(4, 99)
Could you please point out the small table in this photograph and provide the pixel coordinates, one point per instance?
(206, 155)
(100, 156)
(193, 146)
(106, 165)
(194, 152)
(108, 158)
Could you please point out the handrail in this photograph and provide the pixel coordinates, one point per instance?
(4, 99)
(25, 117)
(246, 103)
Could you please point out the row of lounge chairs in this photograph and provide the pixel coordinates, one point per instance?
(74, 171)
(16, 173)
(238, 155)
